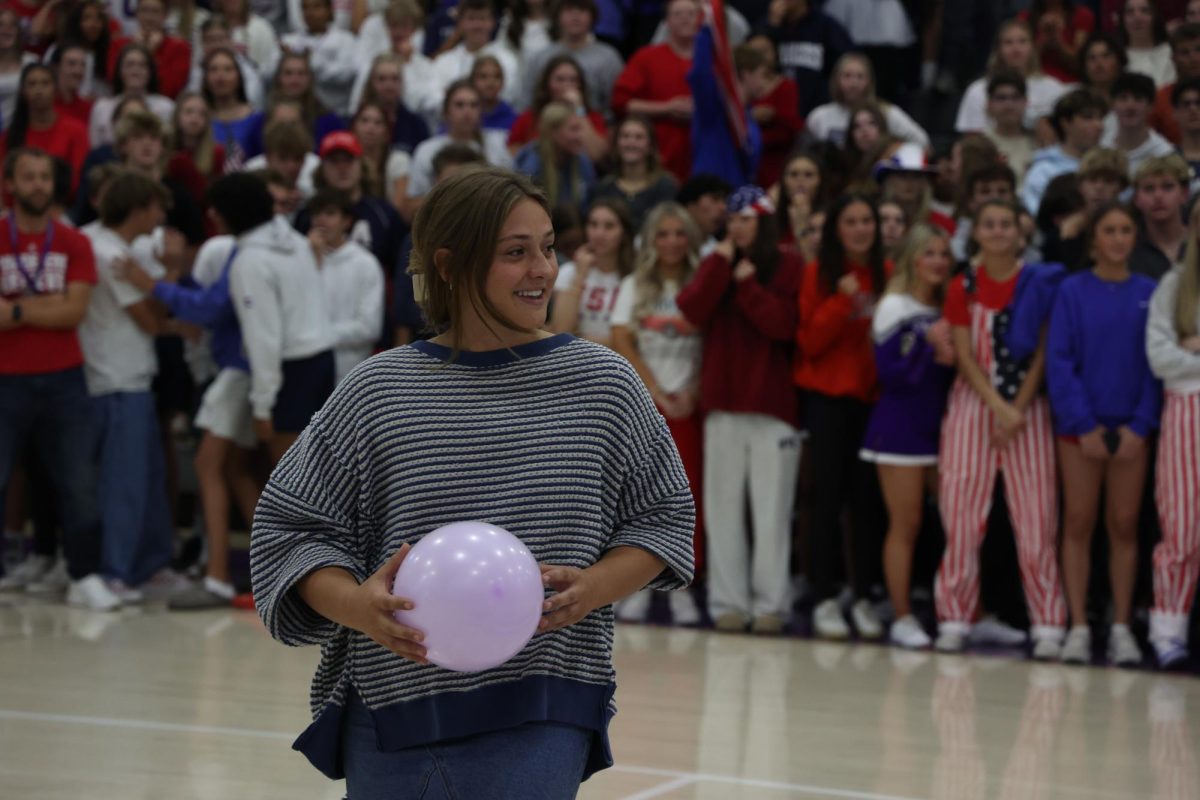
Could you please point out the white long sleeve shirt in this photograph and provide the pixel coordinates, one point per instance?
(278, 296)
(457, 62)
(354, 293)
(831, 123)
(1179, 369)
(333, 56)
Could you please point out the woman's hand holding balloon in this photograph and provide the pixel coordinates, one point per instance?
(575, 597)
(369, 606)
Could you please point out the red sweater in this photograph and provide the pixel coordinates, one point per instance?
(748, 331)
(836, 357)
(173, 59)
(656, 73)
(778, 135)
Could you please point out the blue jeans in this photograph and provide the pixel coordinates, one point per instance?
(54, 412)
(535, 761)
(134, 514)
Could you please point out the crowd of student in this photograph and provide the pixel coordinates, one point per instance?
(208, 224)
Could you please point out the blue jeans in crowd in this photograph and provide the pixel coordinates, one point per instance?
(134, 514)
(535, 761)
(53, 412)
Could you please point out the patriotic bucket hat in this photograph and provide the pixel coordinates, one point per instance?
(750, 201)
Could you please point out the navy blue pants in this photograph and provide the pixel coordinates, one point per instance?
(53, 413)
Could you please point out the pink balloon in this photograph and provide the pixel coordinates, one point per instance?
(477, 595)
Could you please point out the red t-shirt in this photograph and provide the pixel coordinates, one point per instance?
(34, 351)
(524, 129)
(67, 139)
(991, 294)
(657, 73)
(80, 108)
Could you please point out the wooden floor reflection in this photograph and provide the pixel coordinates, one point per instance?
(146, 704)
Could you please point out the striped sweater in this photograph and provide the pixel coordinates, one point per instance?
(556, 441)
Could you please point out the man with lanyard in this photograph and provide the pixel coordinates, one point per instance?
(46, 276)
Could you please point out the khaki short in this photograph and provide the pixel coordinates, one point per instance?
(225, 410)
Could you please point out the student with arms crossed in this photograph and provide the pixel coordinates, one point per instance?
(47, 272)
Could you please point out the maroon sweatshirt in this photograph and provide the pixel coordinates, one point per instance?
(749, 331)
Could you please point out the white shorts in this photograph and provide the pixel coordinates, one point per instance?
(225, 410)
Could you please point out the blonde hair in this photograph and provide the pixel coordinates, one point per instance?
(647, 280)
(369, 94)
(1187, 293)
(553, 117)
(140, 123)
(454, 239)
(204, 153)
(1032, 67)
(904, 279)
(1104, 163)
(1172, 165)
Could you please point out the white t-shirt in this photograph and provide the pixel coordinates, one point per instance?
(1042, 90)
(669, 344)
(420, 173)
(1155, 62)
(118, 355)
(596, 301)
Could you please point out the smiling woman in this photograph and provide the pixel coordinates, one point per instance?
(553, 438)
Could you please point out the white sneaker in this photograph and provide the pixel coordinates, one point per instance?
(907, 633)
(1048, 644)
(93, 594)
(126, 594)
(1123, 650)
(828, 622)
(990, 630)
(866, 621)
(1077, 647)
(33, 568)
(683, 607)
(634, 608)
(56, 580)
(952, 637)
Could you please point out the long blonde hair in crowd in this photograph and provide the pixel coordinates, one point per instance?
(647, 279)
(904, 279)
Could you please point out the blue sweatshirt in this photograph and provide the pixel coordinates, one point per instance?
(210, 307)
(714, 150)
(1096, 367)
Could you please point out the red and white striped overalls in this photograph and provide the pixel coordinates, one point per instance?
(1177, 494)
(968, 464)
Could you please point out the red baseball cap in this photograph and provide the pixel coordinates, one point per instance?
(341, 140)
